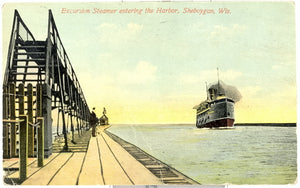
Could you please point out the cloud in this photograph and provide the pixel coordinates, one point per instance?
(251, 91)
(113, 34)
(209, 76)
(284, 65)
(230, 75)
(117, 82)
(134, 28)
(221, 33)
(266, 105)
(143, 73)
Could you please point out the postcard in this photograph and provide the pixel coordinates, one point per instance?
(182, 93)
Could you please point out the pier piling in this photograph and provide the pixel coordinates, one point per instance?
(40, 148)
(23, 146)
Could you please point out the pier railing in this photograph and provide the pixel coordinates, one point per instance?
(15, 101)
(68, 92)
(38, 80)
(20, 32)
(23, 123)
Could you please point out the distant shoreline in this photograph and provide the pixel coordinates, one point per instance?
(192, 124)
(268, 124)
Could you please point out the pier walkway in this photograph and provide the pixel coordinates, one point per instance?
(105, 162)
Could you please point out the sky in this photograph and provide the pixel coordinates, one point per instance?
(152, 67)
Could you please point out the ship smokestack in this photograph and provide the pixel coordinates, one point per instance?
(218, 82)
(228, 90)
(207, 93)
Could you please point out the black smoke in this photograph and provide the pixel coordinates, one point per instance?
(227, 90)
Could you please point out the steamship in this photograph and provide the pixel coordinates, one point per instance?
(217, 111)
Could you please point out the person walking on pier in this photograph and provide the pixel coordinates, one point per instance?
(93, 122)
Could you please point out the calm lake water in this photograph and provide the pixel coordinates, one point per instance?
(244, 155)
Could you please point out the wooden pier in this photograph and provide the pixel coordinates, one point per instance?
(39, 78)
(105, 160)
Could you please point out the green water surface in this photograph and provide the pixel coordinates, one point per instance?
(244, 155)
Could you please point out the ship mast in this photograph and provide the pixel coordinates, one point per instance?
(218, 81)
(207, 94)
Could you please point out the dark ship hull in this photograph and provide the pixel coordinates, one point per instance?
(219, 123)
(216, 112)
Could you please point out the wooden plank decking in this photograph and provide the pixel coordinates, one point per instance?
(105, 162)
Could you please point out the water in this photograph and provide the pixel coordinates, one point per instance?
(60, 130)
(244, 155)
